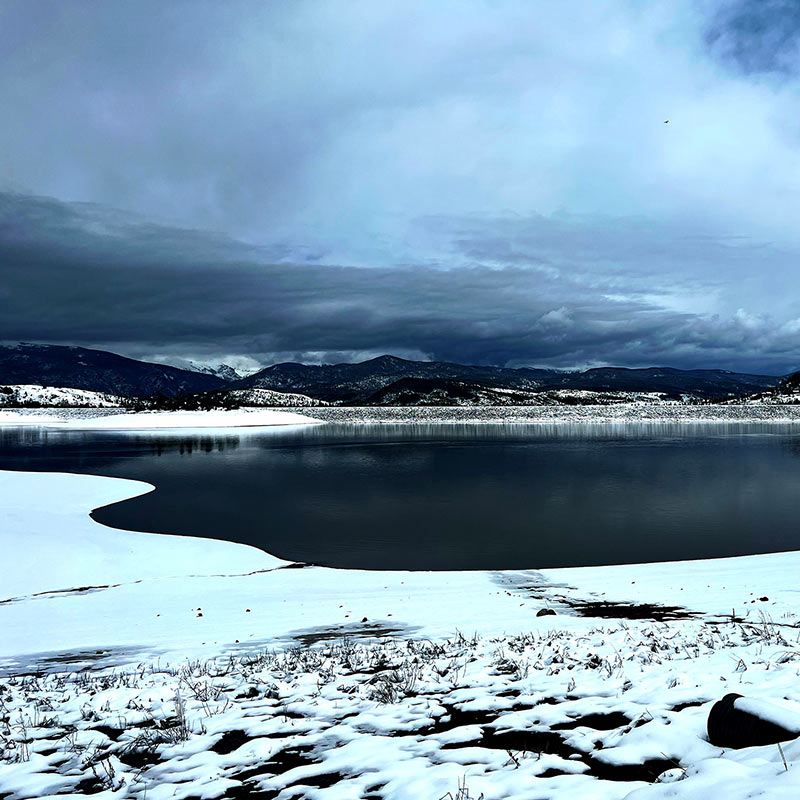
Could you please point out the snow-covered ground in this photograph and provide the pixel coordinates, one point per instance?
(31, 394)
(16, 418)
(164, 420)
(138, 665)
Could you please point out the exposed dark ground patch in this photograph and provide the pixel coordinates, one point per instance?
(230, 741)
(535, 586)
(599, 722)
(609, 609)
(57, 661)
(357, 630)
(551, 741)
(691, 704)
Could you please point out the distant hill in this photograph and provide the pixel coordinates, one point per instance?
(98, 371)
(268, 397)
(354, 382)
(787, 392)
(363, 382)
(35, 396)
(701, 383)
(433, 392)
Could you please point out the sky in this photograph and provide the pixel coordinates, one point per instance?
(483, 181)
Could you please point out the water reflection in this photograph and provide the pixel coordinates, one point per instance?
(452, 496)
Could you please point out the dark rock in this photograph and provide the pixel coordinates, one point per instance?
(545, 612)
(736, 727)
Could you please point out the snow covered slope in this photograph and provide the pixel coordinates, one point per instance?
(268, 397)
(33, 395)
(786, 393)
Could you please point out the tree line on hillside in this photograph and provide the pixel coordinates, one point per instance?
(207, 401)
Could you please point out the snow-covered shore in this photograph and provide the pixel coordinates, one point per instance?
(652, 413)
(198, 688)
(57, 549)
(164, 420)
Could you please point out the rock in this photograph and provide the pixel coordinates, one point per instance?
(545, 612)
(737, 721)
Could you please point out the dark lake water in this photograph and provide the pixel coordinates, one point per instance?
(451, 496)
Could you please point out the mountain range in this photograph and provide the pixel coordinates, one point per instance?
(366, 382)
(379, 381)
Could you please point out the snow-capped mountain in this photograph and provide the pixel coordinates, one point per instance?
(224, 371)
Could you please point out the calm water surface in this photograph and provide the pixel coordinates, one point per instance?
(451, 496)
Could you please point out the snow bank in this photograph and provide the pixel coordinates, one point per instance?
(17, 418)
(166, 420)
(49, 543)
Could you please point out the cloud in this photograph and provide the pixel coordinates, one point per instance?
(330, 124)
(758, 36)
(490, 182)
(538, 294)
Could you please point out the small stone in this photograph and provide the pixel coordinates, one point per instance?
(545, 612)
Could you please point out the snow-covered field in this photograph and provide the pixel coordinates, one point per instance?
(137, 665)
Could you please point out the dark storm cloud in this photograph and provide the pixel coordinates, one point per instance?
(79, 273)
(758, 36)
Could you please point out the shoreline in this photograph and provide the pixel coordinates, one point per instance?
(122, 420)
(123, 562)
(188, 422)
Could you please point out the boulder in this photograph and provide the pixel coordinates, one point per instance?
(737, 721)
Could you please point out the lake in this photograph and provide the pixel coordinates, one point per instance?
(432, 496)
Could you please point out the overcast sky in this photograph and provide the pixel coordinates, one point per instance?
(486, 182)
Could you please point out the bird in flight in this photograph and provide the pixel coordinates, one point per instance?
(666, 121)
